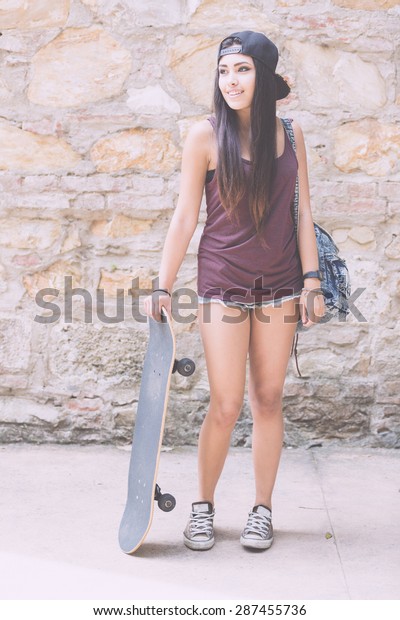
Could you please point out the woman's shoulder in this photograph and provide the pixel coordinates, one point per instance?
(293, 122)
(298, 132)
(200, 139)
(201, 129)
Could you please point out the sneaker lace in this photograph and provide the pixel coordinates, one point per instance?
(258, 524)
(201, 523)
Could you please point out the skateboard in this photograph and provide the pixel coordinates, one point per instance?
(143, 490)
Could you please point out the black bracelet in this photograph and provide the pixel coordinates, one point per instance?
(313, 274)
(161, 290)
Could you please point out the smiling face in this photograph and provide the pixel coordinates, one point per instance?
(237, 80)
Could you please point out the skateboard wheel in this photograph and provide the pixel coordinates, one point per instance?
(185, 367)
(167, 502)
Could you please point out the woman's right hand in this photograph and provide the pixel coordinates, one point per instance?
(154, 302)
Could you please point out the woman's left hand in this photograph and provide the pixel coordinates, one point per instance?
(312, 306)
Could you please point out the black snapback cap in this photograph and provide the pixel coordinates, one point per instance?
(256, 45)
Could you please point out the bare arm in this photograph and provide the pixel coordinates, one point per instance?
(306, 235)
(195, 160)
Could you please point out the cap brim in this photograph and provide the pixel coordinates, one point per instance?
(282, 88)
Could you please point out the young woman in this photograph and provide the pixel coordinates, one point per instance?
(253, 277)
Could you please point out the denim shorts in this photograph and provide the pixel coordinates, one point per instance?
(248, 306)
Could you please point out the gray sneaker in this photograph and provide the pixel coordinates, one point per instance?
(199, 532)
(258, 533)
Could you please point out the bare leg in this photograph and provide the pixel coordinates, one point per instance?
(270, 344)
(226, 346)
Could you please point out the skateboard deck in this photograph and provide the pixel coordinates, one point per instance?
(159, 364)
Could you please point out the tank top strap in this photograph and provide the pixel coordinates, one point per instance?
(213, 121)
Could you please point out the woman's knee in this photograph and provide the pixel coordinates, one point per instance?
(266, 400)
(225, 412)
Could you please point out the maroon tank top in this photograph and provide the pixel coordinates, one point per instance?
(237, 264)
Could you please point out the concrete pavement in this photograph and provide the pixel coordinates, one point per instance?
(61, 506)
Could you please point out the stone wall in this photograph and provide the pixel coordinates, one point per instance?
(96, 97)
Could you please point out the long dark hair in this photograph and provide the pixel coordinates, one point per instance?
(230, 172)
